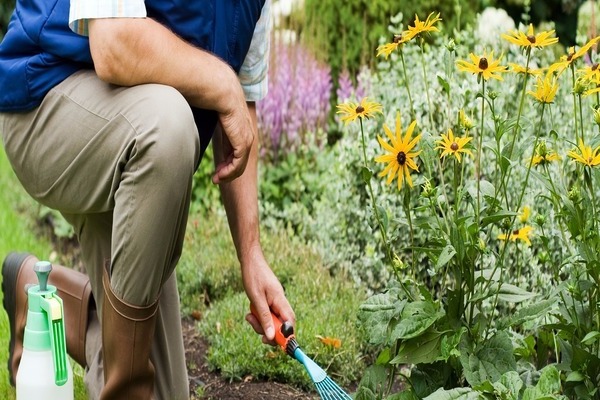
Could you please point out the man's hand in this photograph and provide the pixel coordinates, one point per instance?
(236, 143)
(266, 295)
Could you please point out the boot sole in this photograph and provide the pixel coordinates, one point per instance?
(10, 272)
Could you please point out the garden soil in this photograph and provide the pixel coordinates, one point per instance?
(213, 387)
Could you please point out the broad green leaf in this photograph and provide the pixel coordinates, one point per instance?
(590, 338)
(444, 84)
(423, 349)
(376, 314)
(496, 217)
(373, 381)
(445, 256)
(489, 361)
(366, 174)
(549, 382)
(575, 376)
(512, 382)
(449, 346)
(529, 312)
(512, 293)
(416, 318)
(454, 394)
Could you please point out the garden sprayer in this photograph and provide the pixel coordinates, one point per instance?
(44, 371)
(285, 338)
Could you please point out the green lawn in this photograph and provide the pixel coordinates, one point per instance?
(16, 233)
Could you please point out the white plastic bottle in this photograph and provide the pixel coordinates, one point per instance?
(44, 371)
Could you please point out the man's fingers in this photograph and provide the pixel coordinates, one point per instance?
(230, 168)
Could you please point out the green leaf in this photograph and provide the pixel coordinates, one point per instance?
(366, 174)
(416, 318)
(512, 293)
(423, 349)
(590, 338)
(445, 256)
(575, 376)
(549, 382)
(498, 216)
(454, 394)
(444, 84)
(528, 313)
(512, 382)
(376, 314)
(490, 360)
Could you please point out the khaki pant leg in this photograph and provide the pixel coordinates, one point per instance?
(97, 150)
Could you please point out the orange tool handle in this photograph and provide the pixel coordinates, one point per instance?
(284, 331)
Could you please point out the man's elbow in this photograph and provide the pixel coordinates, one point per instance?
(106, 46)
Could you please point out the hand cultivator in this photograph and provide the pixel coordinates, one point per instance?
(285, 338)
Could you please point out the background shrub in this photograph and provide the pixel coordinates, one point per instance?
(6, 9)
(346, 33)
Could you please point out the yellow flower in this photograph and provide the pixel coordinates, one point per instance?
(542, 155)
(484, 66)
(545, 159)
(423, 26)
(586, 156)
(519, 69)
(572, 55)
(545, 89)
(453, 145)
(464, 121)
(525, 213)
(364, 109)
(530, 40)
(591, 73)
(522, 234)
(400, 159)
(389, 48)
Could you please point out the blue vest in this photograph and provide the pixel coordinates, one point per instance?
(39, 50)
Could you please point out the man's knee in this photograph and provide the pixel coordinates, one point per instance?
(170, 137)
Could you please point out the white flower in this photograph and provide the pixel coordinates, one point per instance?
(492, 23)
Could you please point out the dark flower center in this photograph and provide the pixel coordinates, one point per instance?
(531, 39)
(360, 109)
(590, 160)
(397, 38)
(483, 63)
(454, 146)
(516, 232)
(595, 66)
(570, 56)
(401, 158)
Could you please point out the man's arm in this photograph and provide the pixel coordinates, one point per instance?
(133, 51)
(240, 198)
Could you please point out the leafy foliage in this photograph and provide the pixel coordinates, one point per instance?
(346, 33)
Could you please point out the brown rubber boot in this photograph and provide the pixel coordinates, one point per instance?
(127, 334)
(73, 288)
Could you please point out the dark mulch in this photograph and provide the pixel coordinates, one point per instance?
(212, 386)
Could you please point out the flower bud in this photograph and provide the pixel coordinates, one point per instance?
(580, 86)
(575, 194)
(451, 46)
(540, 219)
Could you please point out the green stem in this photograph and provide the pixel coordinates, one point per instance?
(574, 102)
(516, 128)
(478, 156)
(375, 210)
(406, 206)
(535, 142)
(384, 239)
(430, 113)
(413, 114)
(580, 118)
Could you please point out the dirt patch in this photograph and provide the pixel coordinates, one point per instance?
(209, 385)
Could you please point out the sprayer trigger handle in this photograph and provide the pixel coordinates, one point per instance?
(287, 329)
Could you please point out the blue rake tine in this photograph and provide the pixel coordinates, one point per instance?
(327, 388)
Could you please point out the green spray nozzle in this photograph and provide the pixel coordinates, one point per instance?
(45, 329)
